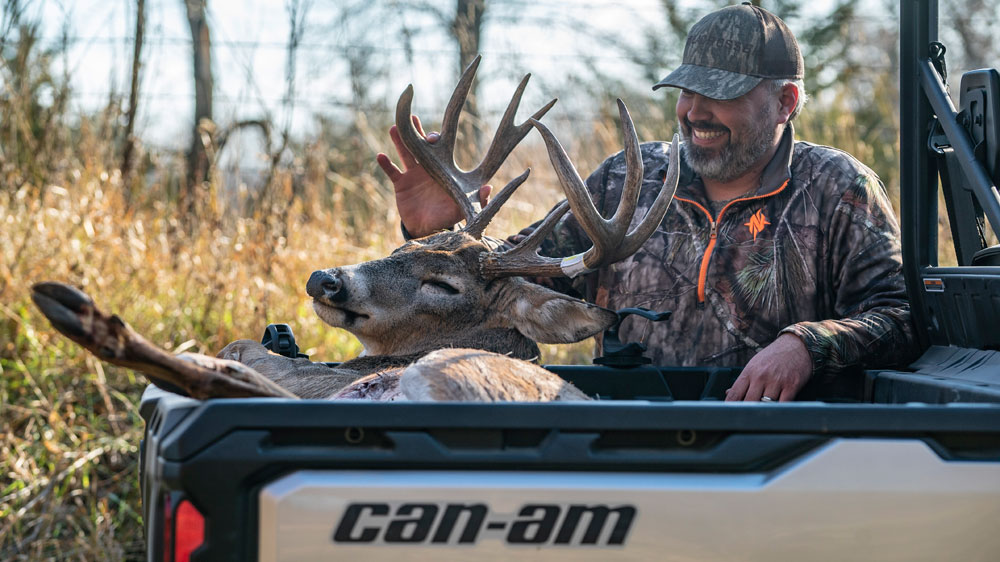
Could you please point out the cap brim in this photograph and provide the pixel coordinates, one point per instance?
(710, 82)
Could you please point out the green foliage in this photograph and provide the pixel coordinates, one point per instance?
(70, 455)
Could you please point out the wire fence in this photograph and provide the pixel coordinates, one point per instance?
(247, 90)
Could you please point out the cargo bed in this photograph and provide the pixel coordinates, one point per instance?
(890, 467)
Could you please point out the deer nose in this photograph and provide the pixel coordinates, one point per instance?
(327, 286)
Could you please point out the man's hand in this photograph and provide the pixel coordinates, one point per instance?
(424, 206)
(779, 372)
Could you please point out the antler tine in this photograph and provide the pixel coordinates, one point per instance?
(523, 259)
(534, 240)
(449, 124)
(436, 160)
(654, 216)
(611, 243)
(505, 139)
(619, 222)
(531, 243)
(508, 135)
(591, 221)
(477, 225)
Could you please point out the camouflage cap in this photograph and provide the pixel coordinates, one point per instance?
(730, 51)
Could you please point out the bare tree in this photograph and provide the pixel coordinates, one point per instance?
(198, 162)
(297, 13)
(133, 96)
(466, 30)
(973, 23)
(464, 25)
(10, 19)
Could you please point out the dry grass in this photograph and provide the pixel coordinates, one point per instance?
(71, 429)
(69, 426)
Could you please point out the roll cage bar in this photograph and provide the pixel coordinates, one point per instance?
(954, 149)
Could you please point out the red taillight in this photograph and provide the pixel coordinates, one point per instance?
(168, 529)
(183, 531)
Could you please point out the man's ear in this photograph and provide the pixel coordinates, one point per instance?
(788, 100)
(550, 317)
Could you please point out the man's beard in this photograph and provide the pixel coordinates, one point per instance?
(735, 158)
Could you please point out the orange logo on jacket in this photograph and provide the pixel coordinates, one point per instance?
(757, 223)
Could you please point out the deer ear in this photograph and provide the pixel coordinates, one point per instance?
(550, 317)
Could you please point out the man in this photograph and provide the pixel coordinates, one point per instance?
(779, 256)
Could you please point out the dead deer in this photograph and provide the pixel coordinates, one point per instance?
(444, 317)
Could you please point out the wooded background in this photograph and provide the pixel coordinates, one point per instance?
(206, 239)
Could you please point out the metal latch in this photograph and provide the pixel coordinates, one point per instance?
(626, 355)
(280, 339)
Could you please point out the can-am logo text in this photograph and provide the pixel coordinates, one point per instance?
(465, 524)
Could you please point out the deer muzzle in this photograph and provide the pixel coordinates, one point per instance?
(326, 285)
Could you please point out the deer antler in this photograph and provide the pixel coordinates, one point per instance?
(439, 160)
(611, 238)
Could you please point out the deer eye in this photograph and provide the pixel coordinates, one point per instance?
(439, 286)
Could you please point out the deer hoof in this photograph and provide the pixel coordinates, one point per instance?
(62, 305)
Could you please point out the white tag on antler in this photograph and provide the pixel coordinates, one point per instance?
(572, 266)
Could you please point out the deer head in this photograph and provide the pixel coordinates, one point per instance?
(458, 289)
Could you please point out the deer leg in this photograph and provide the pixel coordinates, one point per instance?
(75, 315)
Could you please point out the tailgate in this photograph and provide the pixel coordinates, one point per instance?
(657, 469)
(848, 499)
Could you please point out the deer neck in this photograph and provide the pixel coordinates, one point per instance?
(369, 364)
(505, 341)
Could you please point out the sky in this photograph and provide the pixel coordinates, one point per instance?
(249, 38)
(249, 57)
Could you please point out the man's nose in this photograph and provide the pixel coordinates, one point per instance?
(699, 108)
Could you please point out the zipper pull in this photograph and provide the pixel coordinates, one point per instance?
(713, 233)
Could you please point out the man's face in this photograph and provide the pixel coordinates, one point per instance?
(725, 138)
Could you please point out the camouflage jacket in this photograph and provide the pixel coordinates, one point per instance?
(814, 251)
